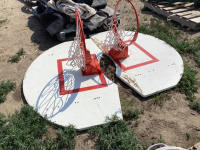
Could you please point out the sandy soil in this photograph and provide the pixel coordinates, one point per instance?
(23, 30)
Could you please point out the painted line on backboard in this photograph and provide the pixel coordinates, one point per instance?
(61, 80)
(154, 59)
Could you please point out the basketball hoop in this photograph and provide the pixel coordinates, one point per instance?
(79, 56)
(118, 38)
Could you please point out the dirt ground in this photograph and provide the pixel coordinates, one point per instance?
(23, 30)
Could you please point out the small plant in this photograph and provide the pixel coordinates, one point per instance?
(21, 52)
(159, 99)
(145, 19)
(188, 83)
(196, 57)
(153, 137)
(129, 122)
(195, 105)
(5, 88)
(136, 113)
(188, 135)
(125, 103)
(131, 103)
(145, 145)
(142, 111)
(16, 58)
(116, 136)
(128, 113)
(2, 21)
(131, 114)
(137, 123)
(198, 138)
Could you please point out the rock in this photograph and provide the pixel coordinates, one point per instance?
(198, 129)
(192, 113)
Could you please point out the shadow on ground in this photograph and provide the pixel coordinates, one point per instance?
(27, 7)
(40, 36)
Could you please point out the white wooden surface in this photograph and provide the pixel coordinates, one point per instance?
(170, 148)
(82, 109)
(154, 77)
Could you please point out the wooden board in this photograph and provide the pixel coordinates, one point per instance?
(183, 13)
(197, 20)
(178, 6)
(193, 15)
(182, 10)
(60, 93)
(152, 66)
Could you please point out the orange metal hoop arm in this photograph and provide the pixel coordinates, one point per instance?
(83, 46)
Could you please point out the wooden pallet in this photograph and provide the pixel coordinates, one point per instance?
(182, 12)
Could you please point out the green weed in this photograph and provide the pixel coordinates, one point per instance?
(198, 138)
(21, 52)
(142, 111)
(188, 135)
(5, 88)
(116, 136)
(16, 58)
(160, 98)
(195, 105)
(145, 145)
(25, 129)
(2, 21)
(137, 123)
(130, 113)
(129, 122)
(188, 83)
(125, 103)
(66, 137)
(196, 57)
(2, 120)
(131, 103)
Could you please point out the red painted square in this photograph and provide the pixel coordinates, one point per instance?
(138, 65)
(61, 80)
